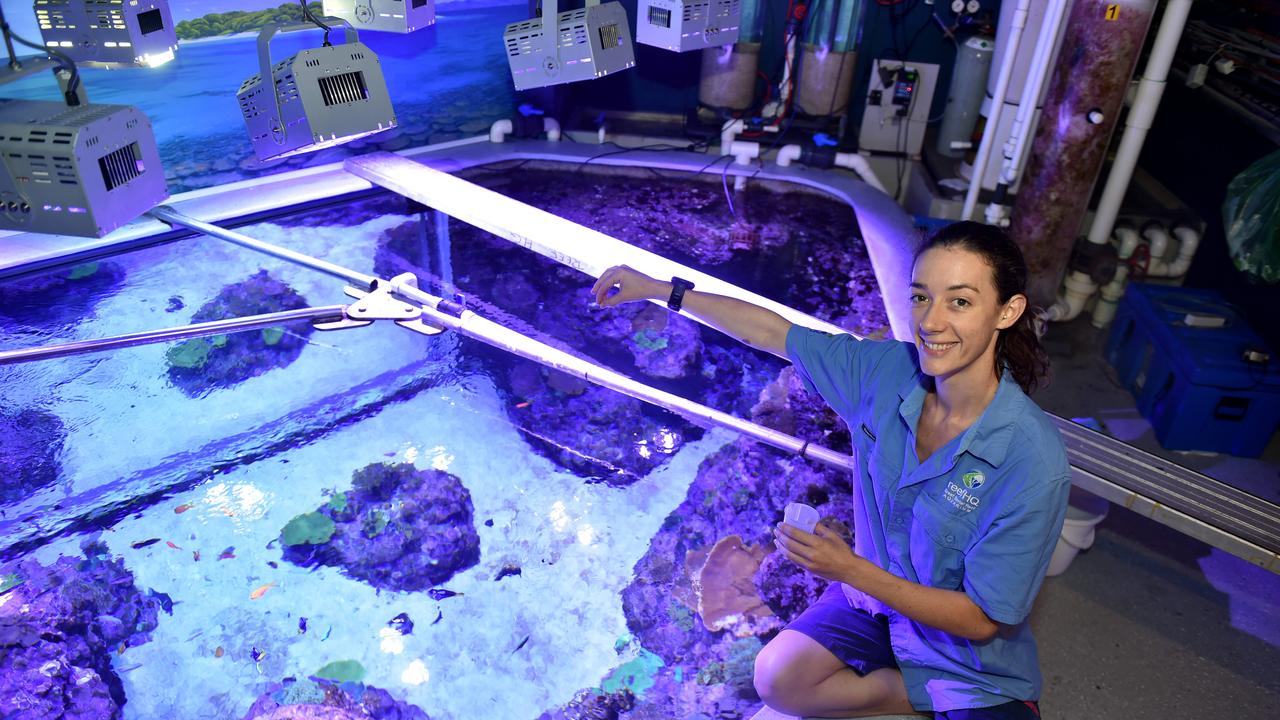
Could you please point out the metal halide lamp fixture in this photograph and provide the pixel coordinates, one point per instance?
(114, 34)
(587, 44)
(75, 168)
(683, 25)
(398, 16)
(318, 98)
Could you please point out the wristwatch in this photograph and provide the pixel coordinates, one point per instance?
(678, 286)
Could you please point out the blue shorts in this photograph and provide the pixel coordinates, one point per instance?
(861, 641)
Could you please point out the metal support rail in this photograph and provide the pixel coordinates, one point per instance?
(217, 327)
(1192, 503)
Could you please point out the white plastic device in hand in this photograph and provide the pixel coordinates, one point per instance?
(800, 516)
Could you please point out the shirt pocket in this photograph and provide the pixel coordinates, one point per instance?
(939, 539)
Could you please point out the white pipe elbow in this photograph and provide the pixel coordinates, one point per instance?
(787, 155)
(499, 130)
(728, 133)
(859, 164)
(551, 127)
(1159, 239)
(1188, 241)
(1129, 239)
(1076, 291)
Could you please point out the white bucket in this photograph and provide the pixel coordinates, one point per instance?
(1084, 512)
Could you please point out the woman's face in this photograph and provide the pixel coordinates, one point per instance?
(956, 313)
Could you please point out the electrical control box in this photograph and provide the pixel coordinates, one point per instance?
(899, 98)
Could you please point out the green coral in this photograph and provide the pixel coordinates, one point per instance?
(190, 354)
(680, 615)
(635, 675)
(338, 502)
(310, 528)
(272, 335)
(9, 582)
(374, 524)
(649, 340)
(342, 671)
(218, 341)
(82, 271)
(303, 692)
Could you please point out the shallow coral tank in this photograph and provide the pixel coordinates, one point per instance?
(371, 522)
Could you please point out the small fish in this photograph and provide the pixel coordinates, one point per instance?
(327, 633)
(121, 649)
(257, 654)
(195, 555)
(442, 593)
(183, 508)
(227, 554)
(522, 644)
(507, 571)
(524, 404)
(302, 625)
(401, 624)
(262, 590)
(219, 652)
(439, 617)
(143, 543)
(170, 544)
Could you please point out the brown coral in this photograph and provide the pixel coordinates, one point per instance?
(722, 589)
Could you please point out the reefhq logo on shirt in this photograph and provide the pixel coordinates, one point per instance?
(960, 497)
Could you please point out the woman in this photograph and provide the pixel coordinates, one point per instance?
(959, 494)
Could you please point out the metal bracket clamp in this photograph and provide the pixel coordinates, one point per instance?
(379, 304)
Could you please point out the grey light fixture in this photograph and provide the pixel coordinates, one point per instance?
(683, 25)
(398, 16)
(587, 44)
(114, 33)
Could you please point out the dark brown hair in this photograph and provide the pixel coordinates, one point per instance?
(1017, 347)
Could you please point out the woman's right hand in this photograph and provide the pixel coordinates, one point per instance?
(632, 285)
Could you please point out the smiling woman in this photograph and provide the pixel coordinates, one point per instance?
(928, 610)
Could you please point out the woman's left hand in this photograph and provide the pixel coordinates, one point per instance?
(822, 552)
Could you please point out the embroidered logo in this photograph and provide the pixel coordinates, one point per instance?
(960, 497)
(973, 479)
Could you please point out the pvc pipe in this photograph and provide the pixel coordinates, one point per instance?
(728, 132)
(1138, 121)
(997, 105)
(850, 161)
(551, 127)
(1023, 127)
(499, 130)
(1076, 291)
(743, 153)
(1129, 240)
(1105, 310)
(1188, 241)
(788, 154)
(1158, 241)
(857, 163)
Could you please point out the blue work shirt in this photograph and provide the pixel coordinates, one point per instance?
(981, 515)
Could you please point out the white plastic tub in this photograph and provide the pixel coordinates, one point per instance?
(1084, 512)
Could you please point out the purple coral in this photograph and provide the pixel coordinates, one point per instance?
(398, 528)
(59, 626)
(321, 699)
(199, 365)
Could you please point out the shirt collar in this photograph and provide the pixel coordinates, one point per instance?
(989, 437)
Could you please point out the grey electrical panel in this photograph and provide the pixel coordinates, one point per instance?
(83, 170)
(590, 43)
(111, 32)
(315, 99)
(398, 16)
(683, 25)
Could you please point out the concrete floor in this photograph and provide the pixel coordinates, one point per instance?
(1149, 623)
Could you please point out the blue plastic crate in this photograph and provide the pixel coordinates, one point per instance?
(1193, 383)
